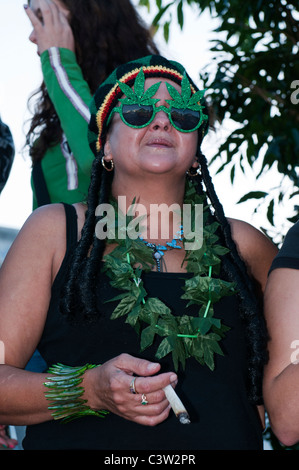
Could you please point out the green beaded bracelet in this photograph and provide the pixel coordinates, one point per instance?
(64, 393)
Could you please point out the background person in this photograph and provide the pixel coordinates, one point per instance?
(79, 44)
(281, 311)
(7, 153)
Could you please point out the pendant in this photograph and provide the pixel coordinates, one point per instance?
(159, 250)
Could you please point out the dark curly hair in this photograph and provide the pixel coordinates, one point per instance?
(107, 33)
(78, 299)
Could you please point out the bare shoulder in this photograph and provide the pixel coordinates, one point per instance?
(42, 239)
(43, 221)
(26, 278)
(246, 235)
(49, 223)
(45, 225)
(255, 248)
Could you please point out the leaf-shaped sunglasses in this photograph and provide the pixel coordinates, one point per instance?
(138, 108)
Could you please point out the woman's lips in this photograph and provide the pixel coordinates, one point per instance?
(159, 142)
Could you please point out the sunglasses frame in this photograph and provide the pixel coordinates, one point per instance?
(156, 109)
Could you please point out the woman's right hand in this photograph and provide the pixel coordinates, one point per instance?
(108, 387)
(51, 27)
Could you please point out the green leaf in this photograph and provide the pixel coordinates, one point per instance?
(180, 14)
(150, 92)
(185, 89)
(178, 101)
(209, 358)
(202, 325)
(196, 98)
(156, 306)
(147, 337)
(166, 31)
(160, 13)
(139, 84)
(133, 316)
(270, 212)
(127, 91)
(124, 307)
(166, 346)
(253, 195)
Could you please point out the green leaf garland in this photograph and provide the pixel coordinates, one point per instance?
(182, 336)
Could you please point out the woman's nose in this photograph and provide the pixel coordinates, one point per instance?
(161, 121)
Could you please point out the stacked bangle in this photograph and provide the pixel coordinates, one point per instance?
(64, 392)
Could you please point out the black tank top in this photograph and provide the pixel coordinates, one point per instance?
(221, 415)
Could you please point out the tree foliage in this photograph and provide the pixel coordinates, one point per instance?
(255, 83)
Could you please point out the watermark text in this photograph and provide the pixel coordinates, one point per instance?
(161, 222)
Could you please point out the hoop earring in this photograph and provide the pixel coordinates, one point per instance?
(195, 172)
(103, 161)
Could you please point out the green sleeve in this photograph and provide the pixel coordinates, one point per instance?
(71, 96)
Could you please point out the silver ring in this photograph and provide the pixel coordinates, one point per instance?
(144, 400)
(132, 386)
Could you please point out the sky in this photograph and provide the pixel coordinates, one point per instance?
(21, 75)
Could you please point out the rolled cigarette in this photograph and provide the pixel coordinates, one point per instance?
(176, 404)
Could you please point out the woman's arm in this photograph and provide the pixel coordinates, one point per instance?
(257, 252)
(25, 287)
(67, 88)
(70, 94)
(281, 379)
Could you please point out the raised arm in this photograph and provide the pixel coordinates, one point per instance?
(67, 88)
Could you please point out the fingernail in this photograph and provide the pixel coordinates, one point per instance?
(25, 7)
(173, 378)
(152, 366)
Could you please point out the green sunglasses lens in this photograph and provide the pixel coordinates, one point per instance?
(136, 115)
(185, 119)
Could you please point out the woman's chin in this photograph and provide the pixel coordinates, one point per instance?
(158, 164)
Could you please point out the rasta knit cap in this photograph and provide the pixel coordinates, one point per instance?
(108, 93)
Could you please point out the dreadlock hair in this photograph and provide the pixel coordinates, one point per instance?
(107, 33)
(79, 296)
(250, 301)
(79, 292)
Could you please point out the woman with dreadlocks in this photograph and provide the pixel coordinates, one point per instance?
(123, 311)
(79, 43)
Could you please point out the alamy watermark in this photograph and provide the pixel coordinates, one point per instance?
(2, 353)
(295, 354)
(163, 221)
(295, 94)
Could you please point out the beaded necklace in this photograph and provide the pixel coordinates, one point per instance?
(158, 250)
(183, 336)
